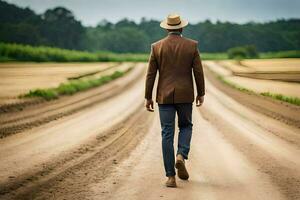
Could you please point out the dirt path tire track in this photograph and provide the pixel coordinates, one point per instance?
(113, 145)
(286, 178)
(230, 159)
(217, 171)
(235, 155)
(43, 113)
(285, 112)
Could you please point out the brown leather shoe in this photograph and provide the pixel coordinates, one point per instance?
(181, 170)
(171, 182)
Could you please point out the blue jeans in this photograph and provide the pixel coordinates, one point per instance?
(167, 114)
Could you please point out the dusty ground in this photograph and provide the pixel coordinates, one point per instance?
(272, 65)
(112, 150)
(19, 78)
(268, 69)
(275, 87)
(25, 117)
(62, 140)
(279, 110)
(258, 85)
(264, 65)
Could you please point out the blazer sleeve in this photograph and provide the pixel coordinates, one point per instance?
(151, 74)
(198, 73)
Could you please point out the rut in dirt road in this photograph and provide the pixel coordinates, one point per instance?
(236, 153)
(232, 157)
(42, 113)
(50, 148)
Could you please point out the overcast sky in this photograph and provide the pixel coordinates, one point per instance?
(90, 12)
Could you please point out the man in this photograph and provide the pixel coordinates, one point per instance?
(176, 59)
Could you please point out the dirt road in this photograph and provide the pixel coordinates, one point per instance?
(112, 150)
(234, 156)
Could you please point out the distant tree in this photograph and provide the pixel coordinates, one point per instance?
(105, 24)
(23, 33)
(125, 39)
(58, 27)
(62, 29)
(152, 29)
(10, 13)
(19, 25)
(125, 23)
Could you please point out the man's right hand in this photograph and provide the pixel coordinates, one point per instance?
(149, 105)
(199, 100)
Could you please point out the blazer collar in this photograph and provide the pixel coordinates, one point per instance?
(175, 33)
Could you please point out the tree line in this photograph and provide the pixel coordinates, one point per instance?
(58, 27)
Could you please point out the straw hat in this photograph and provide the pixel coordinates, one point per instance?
(173, 21)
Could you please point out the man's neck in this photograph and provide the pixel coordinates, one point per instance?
(175, 33)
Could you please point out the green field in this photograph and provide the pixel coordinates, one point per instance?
(18, 52)
(281, 54)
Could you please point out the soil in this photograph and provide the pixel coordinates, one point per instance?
(241, 149)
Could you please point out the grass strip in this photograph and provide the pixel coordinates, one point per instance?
(233, 85)
(280, 97)
(292, 100)
(74, 86)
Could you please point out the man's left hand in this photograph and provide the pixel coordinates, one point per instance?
(199, 101)
(149, 105)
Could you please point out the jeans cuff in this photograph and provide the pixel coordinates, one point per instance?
(183, 155)
(168, 174)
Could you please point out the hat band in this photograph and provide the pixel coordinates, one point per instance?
(174, 24)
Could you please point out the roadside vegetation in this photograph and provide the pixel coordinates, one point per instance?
(73, 86)
(27, 53)
(280, 97)
(250, 52)
(292, 100)
(233, 85)
(19, 52)
(281, 54)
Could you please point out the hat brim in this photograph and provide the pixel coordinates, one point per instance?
(165, 25)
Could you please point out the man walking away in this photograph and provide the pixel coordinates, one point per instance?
(176, 58)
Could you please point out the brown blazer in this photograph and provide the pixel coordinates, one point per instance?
(175, 58)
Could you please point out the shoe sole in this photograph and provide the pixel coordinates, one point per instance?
(182, 172)
(171, 185)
